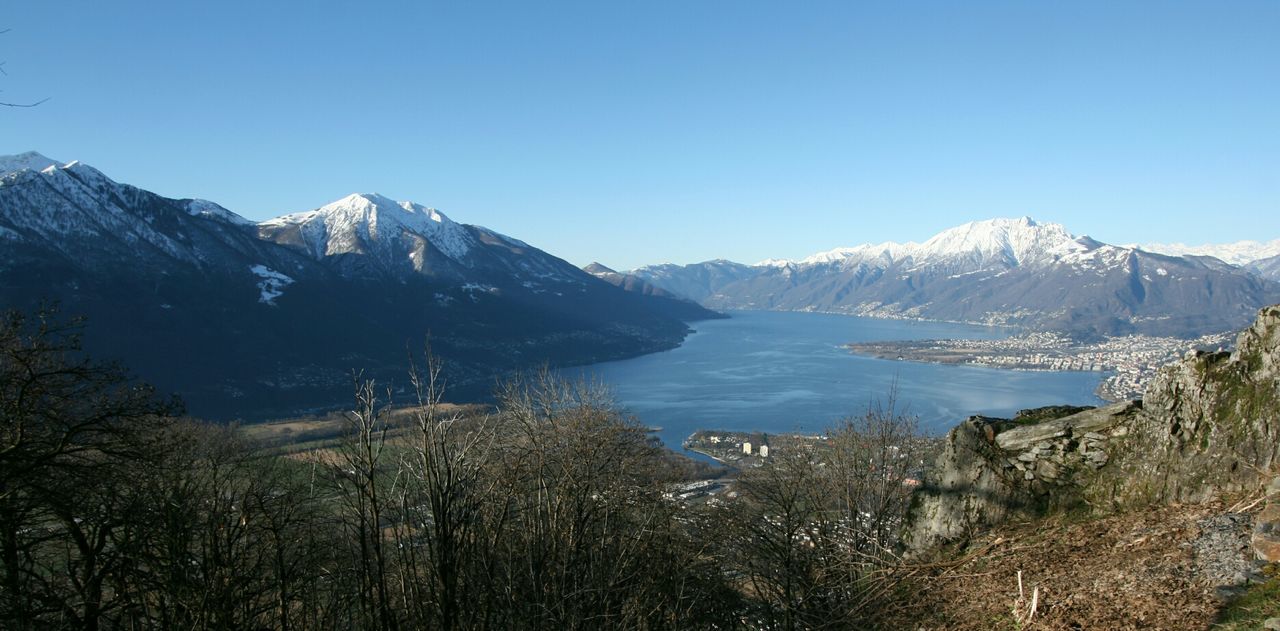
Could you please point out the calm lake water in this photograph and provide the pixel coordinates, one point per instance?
(777, 372)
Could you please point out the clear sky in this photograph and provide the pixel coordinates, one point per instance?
(643, 132)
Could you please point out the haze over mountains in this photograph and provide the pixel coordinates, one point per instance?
(999, 271)
(1241, 253)
(256, 319)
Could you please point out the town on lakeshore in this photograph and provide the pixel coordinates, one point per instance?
(1131, 360)
(739, 450)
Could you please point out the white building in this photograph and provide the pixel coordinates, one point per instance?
(746, 448)
(764, 451)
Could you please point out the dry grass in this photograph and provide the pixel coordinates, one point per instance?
(309, 433)
(1131, 571)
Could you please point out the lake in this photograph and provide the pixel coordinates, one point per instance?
(784, 371)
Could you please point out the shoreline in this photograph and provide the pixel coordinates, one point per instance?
(1126, 363)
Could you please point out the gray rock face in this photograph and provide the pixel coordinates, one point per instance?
(1209, 423)
(992, 470)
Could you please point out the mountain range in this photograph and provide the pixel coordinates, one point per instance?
(1242, 253)
(255, 319)
(999, 271)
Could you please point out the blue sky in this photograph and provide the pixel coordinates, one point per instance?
(642, 132)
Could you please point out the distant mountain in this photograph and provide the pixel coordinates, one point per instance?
(249, 319)
(700, 282)
(1268, 268)
(1239, 253)
(671, 304)
(1260, 258)
(29, 160)
(1003, 271)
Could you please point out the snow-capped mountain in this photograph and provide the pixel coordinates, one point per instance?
(671, 304)
(1259, 257)
(1268, 268)
(371, 224)
(368, 235)
(1238, 253)
(993, 243)
(254, 319)
(1008, 271)
(698, 282)
(31, 161)
(77, 211)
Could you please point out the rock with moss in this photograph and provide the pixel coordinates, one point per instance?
(1208, 424)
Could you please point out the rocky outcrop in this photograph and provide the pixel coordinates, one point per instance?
(992, 470)
(1208, 424)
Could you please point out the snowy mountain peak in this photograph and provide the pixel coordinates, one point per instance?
(888, 251)
(28, 160)
(774, 263)
(1009, 241)
(379, 208)
(39, 163)
(364, 222)
(998, 242)
(598, 269)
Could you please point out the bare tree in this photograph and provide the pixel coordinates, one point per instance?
(68, 427)
(816, 527)
(590, 542)
(2, 72)
(549, 512)
(775, 536)
(446, 472)
(360, 471)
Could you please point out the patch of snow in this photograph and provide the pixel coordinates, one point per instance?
(1162, 271)
(272, 284)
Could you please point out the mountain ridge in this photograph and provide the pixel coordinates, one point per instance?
(676, 306)
(997, 271)
(242, 320)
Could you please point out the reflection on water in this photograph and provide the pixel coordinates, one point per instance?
(777, 372)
